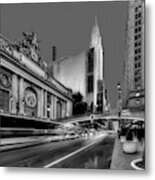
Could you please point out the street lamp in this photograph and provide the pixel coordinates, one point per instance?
(119, 100)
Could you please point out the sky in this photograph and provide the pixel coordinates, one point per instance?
(68, 26)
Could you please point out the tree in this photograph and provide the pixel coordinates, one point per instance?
(77, 97)
(79, 106)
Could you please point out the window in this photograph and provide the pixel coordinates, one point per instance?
(138, 72)
(137, 51)
(138, 64)
(4, 100)
(138, 43)
(91, 60)
(136, 16)
(137, 79)
(136, 30)
(137, 9)
(90, 84)
(137, 57)
(138, 22)
(139, 29)
(136, 37)
(59, 109)
(139, 15)
(48, 104)
(139, 36)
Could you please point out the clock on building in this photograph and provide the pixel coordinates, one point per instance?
(5, 80)
(34, 55)
(30, 98)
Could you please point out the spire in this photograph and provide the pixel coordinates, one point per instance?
(96, 27)
(95, 35)
(96, 20)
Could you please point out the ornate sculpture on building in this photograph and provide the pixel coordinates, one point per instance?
(29, 45)
(31, 40)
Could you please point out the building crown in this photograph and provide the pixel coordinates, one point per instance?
(95, 35)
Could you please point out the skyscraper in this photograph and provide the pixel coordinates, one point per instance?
(134, 87)
(95, 70)
(84, 73)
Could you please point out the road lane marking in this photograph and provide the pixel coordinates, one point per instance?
(71, 154)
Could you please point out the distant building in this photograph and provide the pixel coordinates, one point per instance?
(71, 71)
(84, 73)
(134, 70)
(25, 88)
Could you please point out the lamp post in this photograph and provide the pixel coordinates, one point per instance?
(119, 100)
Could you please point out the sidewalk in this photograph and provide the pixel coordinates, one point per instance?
(120, 160)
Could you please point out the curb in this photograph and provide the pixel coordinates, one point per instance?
(133, 164)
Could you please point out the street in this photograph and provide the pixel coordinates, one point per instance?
(91, 152)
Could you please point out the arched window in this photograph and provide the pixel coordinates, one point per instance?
(59, 110)
(5, 89)
(30, 102)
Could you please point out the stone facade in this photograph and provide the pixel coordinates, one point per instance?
(27, 90)
(134, 70)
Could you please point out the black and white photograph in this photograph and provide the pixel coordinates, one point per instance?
(72, 85)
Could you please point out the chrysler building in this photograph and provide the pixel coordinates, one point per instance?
(98, 70)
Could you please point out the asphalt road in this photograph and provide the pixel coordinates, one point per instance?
(94, 152)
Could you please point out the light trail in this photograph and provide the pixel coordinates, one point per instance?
(98, 138)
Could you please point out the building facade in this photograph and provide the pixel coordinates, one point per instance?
(25, 87)
(134, 70)
(84, 73)
(71, 71)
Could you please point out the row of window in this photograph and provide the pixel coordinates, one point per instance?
(137, 79)
(139, 22)
(138, 15)
(90, 77)
(138, 50)
(138, 8)
(90, 83)
(91, 60)
(138, 36)
(137, 72)
(137, 64)
(137, 58)
(138, 43)
(138, 29)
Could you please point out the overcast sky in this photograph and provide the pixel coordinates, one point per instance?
(68, 26)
